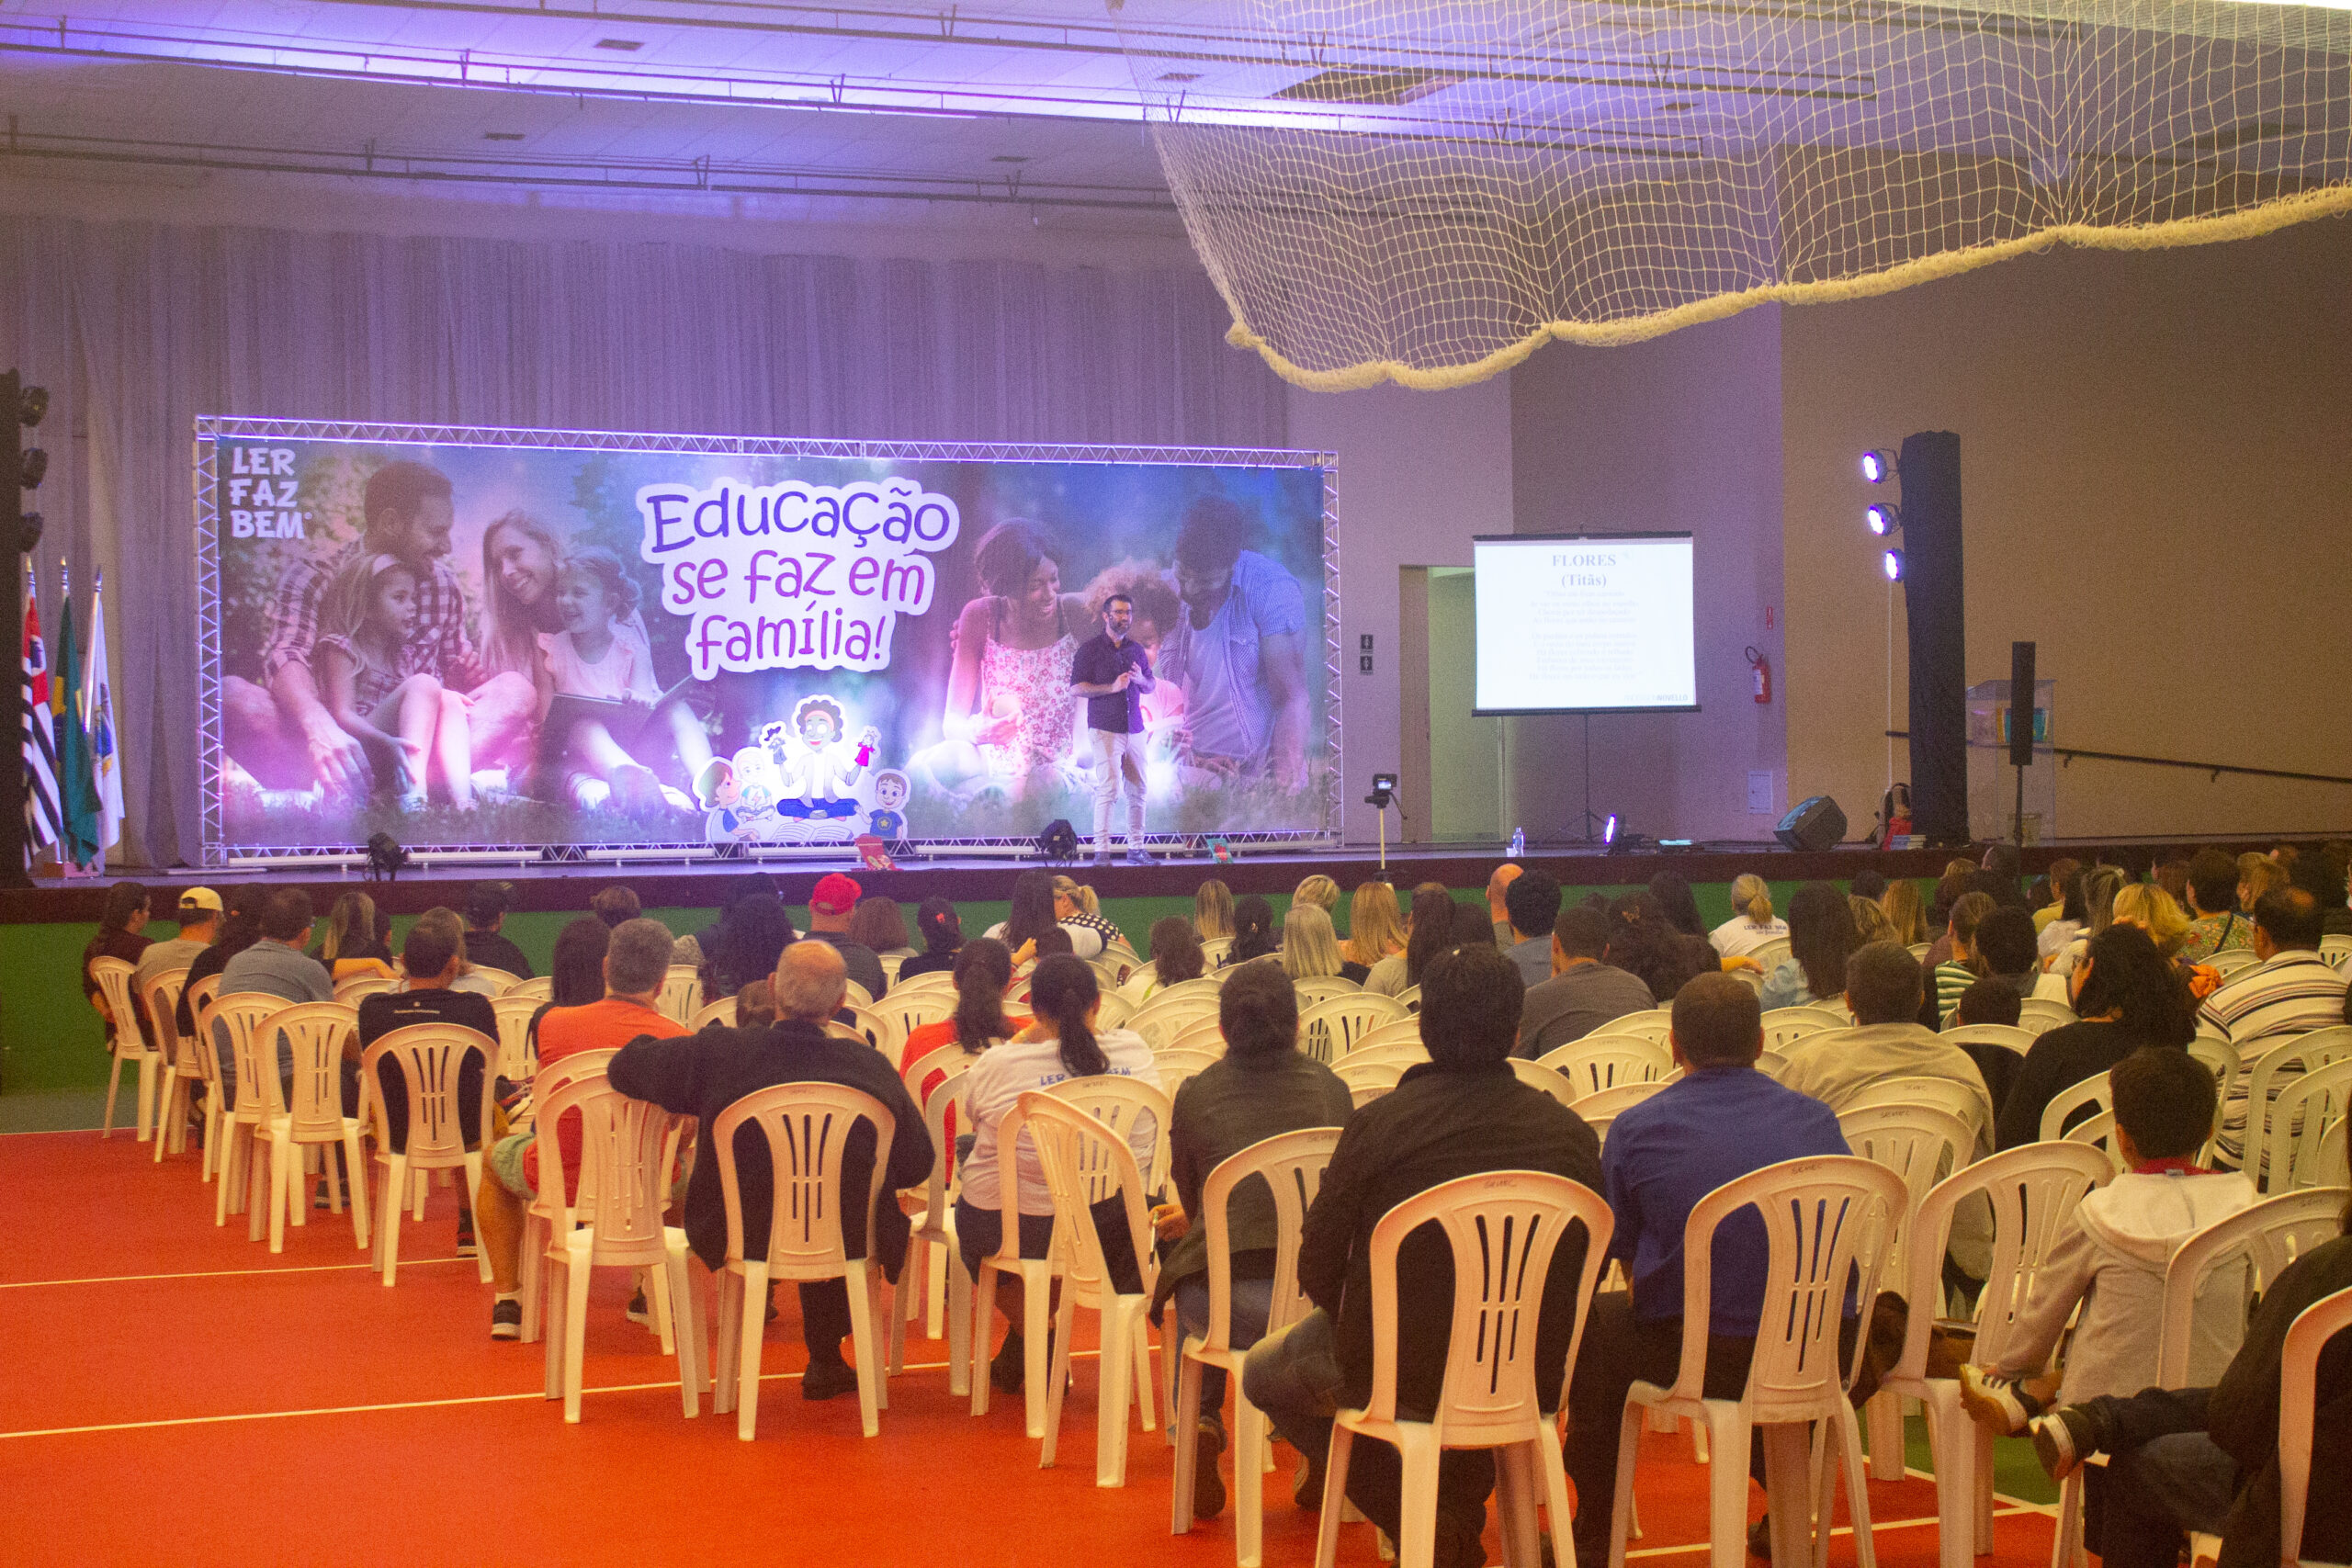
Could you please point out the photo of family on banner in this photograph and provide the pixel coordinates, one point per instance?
(552, 638)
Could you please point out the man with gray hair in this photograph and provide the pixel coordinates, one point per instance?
(636, 961)
(701, 1075)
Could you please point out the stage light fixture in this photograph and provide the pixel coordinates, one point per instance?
(1384, 791)
(1883, 517)
(1609, 831)
(32, 405)
(1892, 564)
(1876, 466)
(386, 858)
(33, 468)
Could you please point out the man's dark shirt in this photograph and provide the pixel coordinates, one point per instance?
(388, 1010)
(864, 964)
(2243, 1418)
(1098, 663)
(489, 947)
(701, 1075)
(1437, 1125)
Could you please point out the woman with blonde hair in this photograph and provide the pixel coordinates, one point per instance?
(2257, 875)
(1870, 923)
(2149, 907)
(1319, 890)
(1075, 904)
(1310, 949)
(1753, 924)
(1213, 911)
(350, 947)
(1374, 928)
(1905, 912)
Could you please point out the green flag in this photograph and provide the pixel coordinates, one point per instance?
(76, 785)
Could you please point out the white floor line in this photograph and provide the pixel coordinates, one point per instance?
(220, 1273)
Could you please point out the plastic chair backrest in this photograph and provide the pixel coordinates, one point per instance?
(1919, 1142)
(1611, 1102)
(1207, 983)
(1201, 1034)
(513, 1013)
(2267, 1237)
(807, 1126)
(1179, 1063)
(1654, 1026)
(430, 1055)
(201, 994)
(1534, 1074)
(1411, 997)
(1503, 1227)
(625, 1149)
(2274, 1067)
(2219, 1054)
(163, 998)
(1292, 1166)
(1771, 1064)
(2004, 1035)
(2098, 1131)
(1167, 1015)
(1378, 1075)
(1116, 1010)
(1085, 1160)
(1944, 1094)
(318, 1032)
(2038, 1015)
(1403, 1053)
(876, 1029)
(239, 1017)
(1919, 950)
(2332, 1158)
(2033, 1189)
(1121, 1103)
(1324, 987)
(113, 976)
(566, 1070)
(1771, 955)
(1404, 1031)
(1783, 1027)
(504, 979)
(948, 1094)
(2091, 1093)
(928, 980)
(539, 987)
(2297, 1395)
(723, 1011)
(1827, 1220)
(1329, 1029)
(681, 991)
(2335, 950)
(856, 994)
(2229, 959)
(1598, 1062)
(357, 988)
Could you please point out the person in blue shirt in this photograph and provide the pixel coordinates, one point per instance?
(1721, 1120)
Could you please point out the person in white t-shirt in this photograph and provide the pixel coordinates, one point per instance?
(1755, 925)
(1061, 1044)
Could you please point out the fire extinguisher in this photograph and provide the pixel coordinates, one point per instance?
(1756, 662)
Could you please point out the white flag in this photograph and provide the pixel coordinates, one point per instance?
(97, 720)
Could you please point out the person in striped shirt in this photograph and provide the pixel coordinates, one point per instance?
(2291, 991)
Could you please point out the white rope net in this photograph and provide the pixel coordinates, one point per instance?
(1426, 190)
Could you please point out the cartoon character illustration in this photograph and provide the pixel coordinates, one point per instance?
(718, 794)
(820, 773)
(756, 786)
(891, 792)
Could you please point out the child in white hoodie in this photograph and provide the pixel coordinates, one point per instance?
(2109, 1257)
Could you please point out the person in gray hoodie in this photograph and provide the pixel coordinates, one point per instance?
(2109, 1257)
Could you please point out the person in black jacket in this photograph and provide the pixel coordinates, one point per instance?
(701, 1075)
(2126, 996)
(1460, 1113)
(485, 912)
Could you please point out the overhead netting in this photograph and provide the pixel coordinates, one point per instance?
(1425, 190)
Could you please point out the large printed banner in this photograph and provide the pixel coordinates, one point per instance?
(551, 638)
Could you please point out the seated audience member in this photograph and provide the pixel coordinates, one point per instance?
(239, 929)
(2150, 907)
(1175, 958)
(2101, 885)
(1682, 906)
(636, 961)
(1050, 942)
(432, 956)
(1533, 903)
(2004, 950)
(1992, 1002)
(1583, 993)
(832, 906)
(2291, 990)
(1319, 890)
(1755, 923)
(1036, 910)
(449, 923)
(2109, 1255)
(1949, 888)
(1870, 923)
(1262, 1087)
(1887, 1042)
(2217, 924)
(701, 1075)
(2125, 997)
(1077, 904)
(1867, 883)
(2002, 865)
(1720, 1121)
(1062, 1043)
(1645, 944)
(1989, 1001)
(1962, 970)
(1310, 951)
(2321, 873)
(1375, 929)
(1497, 910)
(1905, 912)
(942, 934)
(619, 903)
(879, 923)
(349, 948)
(2171, 874)
(1466, 929)
(2062, 874)
(274, 966)
(1254, 933)
(1821, 938)
(757, 931)
(983, 969)
(2257, 875)
(486, 908)
(1461, 1113)
(120, 924)
(755, 1005)
(1213, 911)
(199, 917)
(1428, 930)
(576, 977)
(2207, 1458)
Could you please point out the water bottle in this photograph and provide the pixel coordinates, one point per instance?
(1517, 843)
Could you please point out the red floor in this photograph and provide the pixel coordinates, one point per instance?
(175, 1393)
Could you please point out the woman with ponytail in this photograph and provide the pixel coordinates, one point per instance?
(1061, 1043)
(1254, 935)
(1752, 923)
(983, 969)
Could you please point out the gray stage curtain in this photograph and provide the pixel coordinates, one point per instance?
(136, 329)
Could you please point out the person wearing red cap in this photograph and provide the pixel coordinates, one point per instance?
(828, 910)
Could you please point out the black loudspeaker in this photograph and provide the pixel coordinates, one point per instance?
(1930, 468)
(2021, 703)
(1812, 824)
(1059, 841)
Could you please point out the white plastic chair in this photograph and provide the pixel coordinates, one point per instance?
(1116, 1010)
(1167, 1015)
(1329, 1029)
(313, 1118)
(2098, 1131)
(944, 1289)
(1944, 1094)
(2267, 1075)
(2032, 1190)
(1598, 1062)
(1085, 1158)
(2004, 1035)
(1770, 956)
(355, 988)
(1783, 1027)
(2229, 959)
(856, 994)
(1503, 1227)
(1179, 1063)
(430, 1056)
(1214, 948)
(2333, 1158)
(1368, 1080)
(627, 1149)
(724, 1011)
(2038, 1015)
(2335, 950)
(2221, 1057)
(681, 992)
(1291, 1165)
(1324, 987)
(1411, 997)
(928, 981)
(1535, 1074)
(2091, 1094)
(538, 988)
(2309, 1334)
(806, 1125)
(1828, 1219)
(515, 1061)
(236, 1020)
(880, 1031)
(1201, 1034)
(1919, 950)
(162, 995)
(113, 976)
(1608, 1104)
(540, 1219)
(504, 979)
(1404, 1031)
(202, 994)
(1654, 1026)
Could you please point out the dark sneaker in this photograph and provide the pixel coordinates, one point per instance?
(1140, 857)
(1759, 1539)
(506, 1320)
(466, 1236)
(2063, 1439)
(637, 1310)
(826, 1380)
(1307, 1486)
(2001, 1405)
(1009, 1369)
(1208, 1486)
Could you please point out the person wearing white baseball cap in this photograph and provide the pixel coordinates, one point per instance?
(199, 914)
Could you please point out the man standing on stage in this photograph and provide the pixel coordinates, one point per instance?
(1111, 673)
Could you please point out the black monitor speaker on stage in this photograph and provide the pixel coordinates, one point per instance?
(1059, 841)
(1812, 824)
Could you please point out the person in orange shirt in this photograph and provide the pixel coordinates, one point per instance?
(983, 970)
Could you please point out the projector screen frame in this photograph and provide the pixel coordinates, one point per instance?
(1478, 539)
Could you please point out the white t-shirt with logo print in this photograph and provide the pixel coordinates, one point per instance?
(994, 1086)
